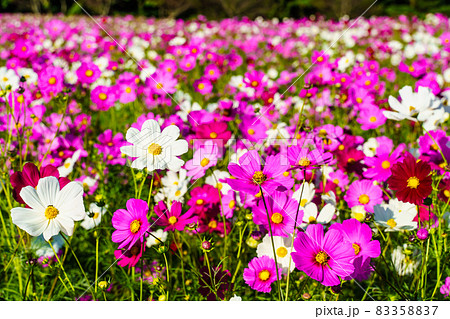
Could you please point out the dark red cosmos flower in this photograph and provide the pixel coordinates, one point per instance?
(30, 176)
(411, 180)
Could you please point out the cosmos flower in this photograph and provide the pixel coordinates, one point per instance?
(411, 180)
(283, 246)
(93, 216)
(204, 157)
(154, 149)
(249, 176)
(30, 176)
(324, 258)
(52, 209)
(396, 215)
(260, 274)
(173, 219)
(364, 192)
(282, 211)
(131, 224)
(130, 256)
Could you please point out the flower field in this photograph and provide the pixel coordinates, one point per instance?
(157, 159)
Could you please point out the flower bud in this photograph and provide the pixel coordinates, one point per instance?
(422, 234)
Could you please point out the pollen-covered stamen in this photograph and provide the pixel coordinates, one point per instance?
(264, 275)
(204, 162)
(413, 182)
(277, 218)
(154, 149)
(363, 199)
(304, 161)
(357, 248)
(282, 252)
(322, 257)
(51, 212)
(391, 222)
(386, 164)
(172, 220)
(135, 226)
(259, 177)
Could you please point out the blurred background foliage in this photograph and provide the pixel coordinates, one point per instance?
(220, 9)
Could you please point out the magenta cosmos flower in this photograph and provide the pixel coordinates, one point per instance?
(324, 258)
(172, 219)
(304, 158)
(130, 224)
(380, 165)
(360, 237)
(249, 176)
(261, 273)
(30, 176)
(364, 193)
(88, 73)
(130, 257)
(282, 211)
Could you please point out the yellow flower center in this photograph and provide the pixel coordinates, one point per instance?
(128, 90)
(52, 80)
(251, 131)
(322, 133)
(51, 212)
(199, 201)
(411, 108)
(232, 204)
(336, 181)
(391, 222)
(363, 199)
(372, 119)
(303, 202)
(213, 135)
(177, 193)
(89, 73)
(276, 218)
(357, 248)
(255, 83)
(320, 59)
(102, 96)
(154, 149)
(359, 100)
(96, 215)
(201, 86)
(172, 220)
(24, 48)
(322, 257)
(413, 182)
(386, 164)
(204, 162)
(264, 275)
(259, 177)
(286, 174)
(367, 83)
(135, 226)
(304, 162)
(281, 252)
(341, 147)
(446, 193)
(311, 220)
(159, 86)
(411, 69)
(212, 224)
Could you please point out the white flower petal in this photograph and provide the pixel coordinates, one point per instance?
(32, 221)
(69, 201)
(47, 190)
(51, 230)
(31, 198)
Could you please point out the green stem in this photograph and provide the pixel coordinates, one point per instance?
(273, 245)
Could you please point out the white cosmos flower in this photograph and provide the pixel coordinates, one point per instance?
(214, 180)
(421, 103)
(311, 214)
(406, 260)
(51, 209)
(67, 167)
(154, 149)
(174, 186)
(160, 235)
(93, 216)
(283, 247)
(396, 215)
(306, 191)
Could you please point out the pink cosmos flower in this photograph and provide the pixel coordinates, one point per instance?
(282, 211)
(188, 62)
(88, 73)
(261, 273)
(371, 118)
(214, 131)
(445, 288)
(204, 157)
(249, 176)
(360, 237)
(364, 193)
(130, 224)
(203, 85)
(173, 219)
(51, 81)
(255, 79)
(380, 165)
(304, 158)
(212, 72)
(30, 176)
(161, 83)
(103, 97)
(126, 92)
(324, 258)
(130, 257)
